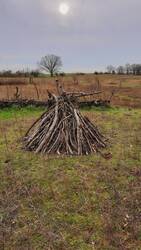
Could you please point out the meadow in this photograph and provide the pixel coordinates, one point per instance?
(128, 87)
(73, 203)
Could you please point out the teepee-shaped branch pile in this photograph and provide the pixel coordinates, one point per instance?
(63, 130)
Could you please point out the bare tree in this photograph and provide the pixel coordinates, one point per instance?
(120, 70)
(133, 69)
(110, 69)
(128, 68)
(51, 64)
(136, 69)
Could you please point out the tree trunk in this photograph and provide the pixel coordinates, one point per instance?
(51, 73)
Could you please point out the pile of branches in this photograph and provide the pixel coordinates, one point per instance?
(63, 130)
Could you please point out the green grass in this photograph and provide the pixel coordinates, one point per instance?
(72, 202)
(10, 113)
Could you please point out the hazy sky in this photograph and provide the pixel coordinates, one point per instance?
(95, 33)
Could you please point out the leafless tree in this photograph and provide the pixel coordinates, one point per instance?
(51, 64)
(129, 69)
(120, 70)
(110, 69)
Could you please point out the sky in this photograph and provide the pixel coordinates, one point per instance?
(94, 33)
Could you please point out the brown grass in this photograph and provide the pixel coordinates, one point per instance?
(129, 94)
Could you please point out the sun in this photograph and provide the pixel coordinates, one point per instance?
(64, 8)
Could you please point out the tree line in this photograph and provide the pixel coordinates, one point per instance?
(52, 64)
(19, 73)
(128, 69)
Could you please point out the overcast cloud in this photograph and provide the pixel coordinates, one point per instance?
(94, 34)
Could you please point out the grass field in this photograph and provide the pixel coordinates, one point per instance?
(128, 96)
(76, 202)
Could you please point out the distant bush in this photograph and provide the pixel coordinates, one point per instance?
(6, 73)
(60, 74)
(34, 73)
(80, 74)
(9, 73)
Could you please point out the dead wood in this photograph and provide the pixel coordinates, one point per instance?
(63, 130)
